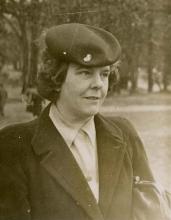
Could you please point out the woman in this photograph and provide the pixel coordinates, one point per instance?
(72, 163)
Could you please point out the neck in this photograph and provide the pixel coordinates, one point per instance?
(71, 120)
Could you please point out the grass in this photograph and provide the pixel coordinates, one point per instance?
(140, 99)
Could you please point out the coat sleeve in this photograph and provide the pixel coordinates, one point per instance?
(14, 203)
(136, 150)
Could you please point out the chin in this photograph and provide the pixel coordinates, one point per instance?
(92, 112)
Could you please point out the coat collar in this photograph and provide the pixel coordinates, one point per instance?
(111, 151)
(57, 159)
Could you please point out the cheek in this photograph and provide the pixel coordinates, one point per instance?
(73, 92)
(69, 88)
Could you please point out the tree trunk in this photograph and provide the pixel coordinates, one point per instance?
(34, 31)
(166, 71)
(133, 77)
(133, 69)
(25, 64)
(150, 52)
(33, 63)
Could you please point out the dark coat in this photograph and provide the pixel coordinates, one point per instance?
(40, 179)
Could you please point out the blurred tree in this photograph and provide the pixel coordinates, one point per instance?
(13, 13)
(156, 26)
(135, 23)
(9, 48)
(25, 17)
(150, 48)
(166, 45)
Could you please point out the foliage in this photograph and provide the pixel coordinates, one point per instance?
(138, 24)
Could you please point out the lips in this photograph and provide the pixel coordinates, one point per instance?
(92, 98)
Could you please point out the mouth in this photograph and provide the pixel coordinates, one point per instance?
(92, 98)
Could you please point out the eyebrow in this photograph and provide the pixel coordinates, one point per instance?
(79, 67)
(106, 70)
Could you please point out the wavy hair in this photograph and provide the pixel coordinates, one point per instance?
(51, 75)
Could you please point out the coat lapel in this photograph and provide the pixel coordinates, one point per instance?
(57, 159)
(111, 151)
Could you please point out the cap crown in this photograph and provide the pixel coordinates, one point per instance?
(84, 44)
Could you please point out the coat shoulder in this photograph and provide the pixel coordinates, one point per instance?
(18, 129)
(13, 139)
(125, 126)
(129, 134)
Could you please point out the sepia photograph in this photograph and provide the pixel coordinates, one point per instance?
(85, 110)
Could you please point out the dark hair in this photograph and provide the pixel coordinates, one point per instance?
(52, 74)
(114, 76)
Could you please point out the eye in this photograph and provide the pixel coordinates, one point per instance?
(84, 73)
(105, 74)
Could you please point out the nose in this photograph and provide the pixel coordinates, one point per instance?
(97, 81)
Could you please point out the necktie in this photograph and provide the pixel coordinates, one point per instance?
(83, 145)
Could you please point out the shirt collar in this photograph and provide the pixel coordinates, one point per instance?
(69, 131)
(89, 128)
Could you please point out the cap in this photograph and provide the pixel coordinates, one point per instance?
(83, 44)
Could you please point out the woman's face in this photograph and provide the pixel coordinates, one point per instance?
(83, 90)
